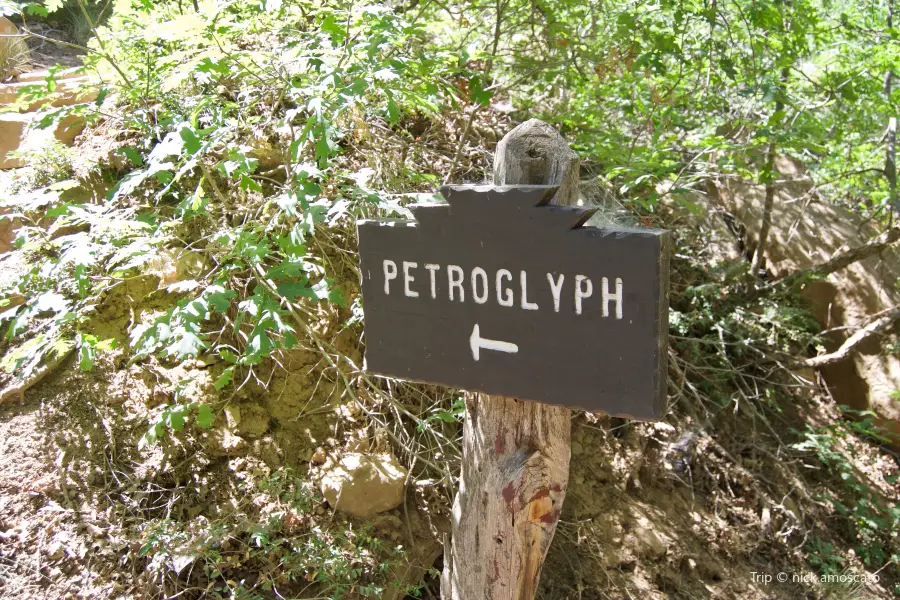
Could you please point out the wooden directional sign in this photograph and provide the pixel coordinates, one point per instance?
(499, 292)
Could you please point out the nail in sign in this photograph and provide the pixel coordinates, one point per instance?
(500, 292)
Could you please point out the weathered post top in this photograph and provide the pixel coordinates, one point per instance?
(535, 154)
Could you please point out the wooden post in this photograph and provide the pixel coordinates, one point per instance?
(515, 456)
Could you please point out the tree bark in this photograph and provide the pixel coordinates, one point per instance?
(890, 159)
(515, 459)
(759, 258)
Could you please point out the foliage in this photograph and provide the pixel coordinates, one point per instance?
(874, 518)
(691, 88)
(249, 138)
(288, 550)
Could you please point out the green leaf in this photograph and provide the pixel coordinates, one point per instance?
(191, 142)
(36, 9)
(322, 291)
(393, 111)
(132, 155)
(225, 378)
(86, 358)
(334, 29)
(219, 298)
(292, 289)
(107, 344)
(81, 278)
(478, 93)
(186, 345)
(175, 416)
(205, 416)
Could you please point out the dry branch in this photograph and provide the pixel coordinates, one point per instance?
(846, 258)
(846, 349)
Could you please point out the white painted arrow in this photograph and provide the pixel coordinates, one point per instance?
(476, 342)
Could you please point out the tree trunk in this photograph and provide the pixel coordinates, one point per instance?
(759, 258)
(515, 460)
(890, 159)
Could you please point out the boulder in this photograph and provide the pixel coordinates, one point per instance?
(7, 27)
(15, 135)
(363, 484)
(41, 74)
(68, 91)
(807, 230)
(14, 54)
(13, 128)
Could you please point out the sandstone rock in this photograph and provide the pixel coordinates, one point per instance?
(650, 543)
(13, 128)
(68, 129)
(615, 556)
(68, 92)
(14, 55)
(41, 74)
(15, 136)
(233, 416)
(364, 484)
(9, 227)
(7, 27)
(254, 421)
(55, 550)
(221, 442)
(319, 456)
(806, 231)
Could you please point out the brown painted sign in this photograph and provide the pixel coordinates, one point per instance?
(499, 292)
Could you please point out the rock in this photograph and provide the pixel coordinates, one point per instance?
(806, 231)
(364, 484)
(613, 557)
(7, 27)
(172, 267)
(42, 74)
(233, 416)
(14, 54)
(55, 550)
(9, 227)
(254, 421)
(649, 543)
(68, 129)
(76, 90)
(15, 135)
(12, 133)
(319, 456)
(221, 442)
(268, 450)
